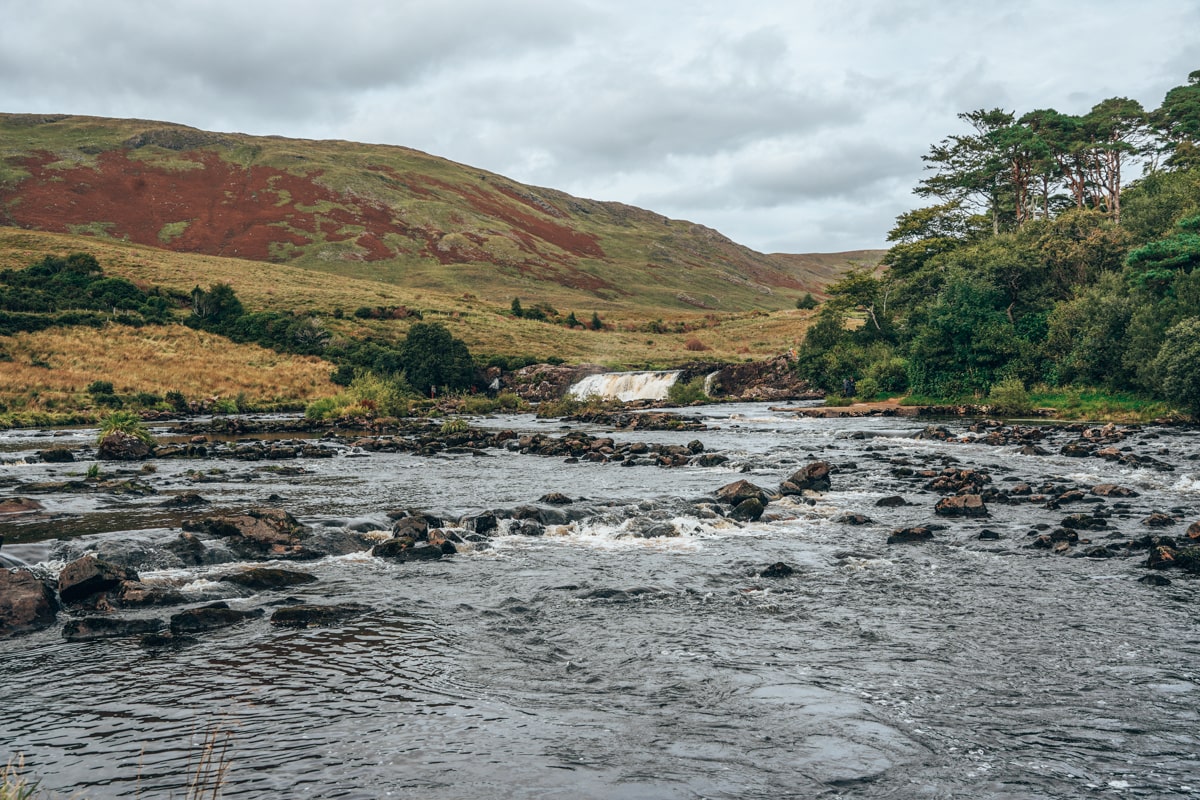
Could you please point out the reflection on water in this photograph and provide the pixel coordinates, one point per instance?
(592, 663)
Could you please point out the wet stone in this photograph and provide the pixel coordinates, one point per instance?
(777, 570)
(26, 602)
(89, 576)
(260, 578)
(315, 616)
(910, 535)
(89, 628)
(210, 617)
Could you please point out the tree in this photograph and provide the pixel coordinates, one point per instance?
(1177, 121)
(807, 303)
(1178, 365)
(596, 323)
(217, 306)
(517, 311)
(572, 322)
(432, 357)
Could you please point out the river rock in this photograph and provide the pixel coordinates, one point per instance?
(135, 594)
(777, 570)
(1155, 579)
(555, 499)
(1193, 531)
(405, 548)
(315, 616)
(968, 481)
(910, 535)
(19, 505)
(894, 501)
(814, 477)
(88, 576)
(1112, 490)
(26, 602)
(1162, 557)
(738, 491)
(210, 617)
(89, 628)
(961, 505)
(1084, 522)
(749, 510)
(121, 446)
(481, 523)
(854, 519)
(57, 455)
(988, 535)
(260, 578)
(273, 533)
(1159, 520)
(184, 500)
(165, 640)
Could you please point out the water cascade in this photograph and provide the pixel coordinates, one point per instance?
(625, 386)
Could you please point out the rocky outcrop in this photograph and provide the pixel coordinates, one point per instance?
(19, 505)
(272, 533)
(738, 491)
(962, 505)
(27, 602)
(773, 379)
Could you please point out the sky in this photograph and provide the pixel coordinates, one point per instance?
(787, 125)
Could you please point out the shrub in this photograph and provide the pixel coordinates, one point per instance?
(225, 405)
(1009, 398)
(683, 394)
(695, 345)
(125, 422)
(456, 425)
(147, 399)
(807, 302)
(321, 409)
(107, 400)
(177, 401)
(431, 357)
(100, 387)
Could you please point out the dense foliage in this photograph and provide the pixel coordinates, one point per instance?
(73, 290)
(1036, 265)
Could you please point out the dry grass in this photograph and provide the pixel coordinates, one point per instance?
(152, 359)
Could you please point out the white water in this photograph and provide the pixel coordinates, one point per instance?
(625, 386)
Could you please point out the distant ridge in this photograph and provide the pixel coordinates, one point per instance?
(378, 212)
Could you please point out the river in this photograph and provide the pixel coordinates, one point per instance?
(593, 663)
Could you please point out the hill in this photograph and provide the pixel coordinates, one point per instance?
(378, 213)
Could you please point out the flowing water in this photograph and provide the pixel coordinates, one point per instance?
(625, 386)
(593, 663)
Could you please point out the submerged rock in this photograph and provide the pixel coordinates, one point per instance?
(89, 628)
(313, 616)
(26, 602)
(405, 548)
(57, 455)
(263, 533)
(777, 570)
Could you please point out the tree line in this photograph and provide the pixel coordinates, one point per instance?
(1039, 261)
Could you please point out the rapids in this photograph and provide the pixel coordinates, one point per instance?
(591, 662)
(625, 386)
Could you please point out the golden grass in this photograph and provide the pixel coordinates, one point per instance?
(479, 318)
(155, 359)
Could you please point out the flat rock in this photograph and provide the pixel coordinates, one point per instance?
(210, 617)
(260, 578)
(961, 505)
(19, 505)
(89, 576)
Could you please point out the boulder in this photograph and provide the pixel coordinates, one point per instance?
(777, 570)
(1162, 557)
(910, 535)
(854, 519)
(315, 616)
(738, 491)
(1193, 531)
(814, 477)
(260, 578)
(268, 533)
(57, 455)
(19, 505)
(961, 505)
(749, 510)
(1158, 520)
(88, 576)
(89, 628)
(1084, 522)
(1155, 579)
(26, 602)
(556, 499)
(121, 446)
(891, 502)
(135, 593)
(210, 617)
(988, 535)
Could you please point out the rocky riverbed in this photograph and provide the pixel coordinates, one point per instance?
(830, 588)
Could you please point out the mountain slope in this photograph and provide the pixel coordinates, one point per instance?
(374, 212)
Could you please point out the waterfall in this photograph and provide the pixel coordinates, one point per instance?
(709, 381)
(625, 386)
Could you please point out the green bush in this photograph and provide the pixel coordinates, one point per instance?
(1009, 398)
(125, 422)
(807, 302)
(684, 394)
(100, 387)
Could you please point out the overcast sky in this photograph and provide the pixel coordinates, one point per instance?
(788, 125)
